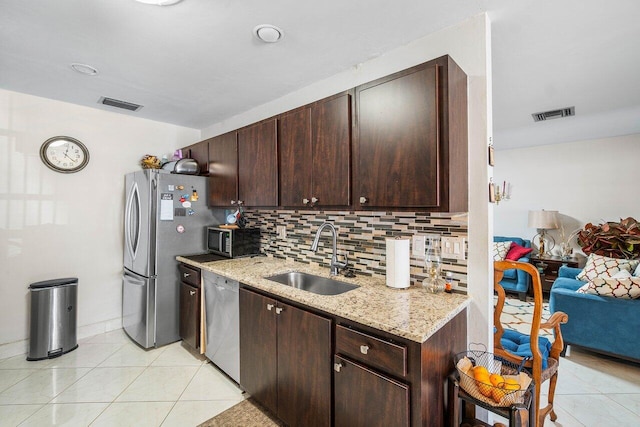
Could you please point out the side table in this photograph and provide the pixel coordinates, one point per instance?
(548, 268)
(461, 407)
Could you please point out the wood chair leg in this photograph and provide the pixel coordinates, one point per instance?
(552, 391)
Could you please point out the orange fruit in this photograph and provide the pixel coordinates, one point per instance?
(498, 394)
(496, 379)
(480, 371)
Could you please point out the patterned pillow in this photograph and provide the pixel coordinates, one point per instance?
(602, 266)
(616, 288)
(500, 250)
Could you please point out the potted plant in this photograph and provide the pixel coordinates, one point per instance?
(612, 239)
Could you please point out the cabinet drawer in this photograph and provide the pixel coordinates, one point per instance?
(189, 275)
(373, 351)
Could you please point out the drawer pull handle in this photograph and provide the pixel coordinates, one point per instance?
(192, 293)
(363, 200)
(186, 274)
(305, 201)
(364, 349)
(337, 367)
(279, 310)
(269, 307)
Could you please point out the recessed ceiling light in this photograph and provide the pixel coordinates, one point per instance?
(160, 2)
(268, 33)
(84, 69)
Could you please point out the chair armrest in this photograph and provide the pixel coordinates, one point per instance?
(568, 272)
(554, 323)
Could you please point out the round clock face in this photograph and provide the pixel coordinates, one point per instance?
(64, 154)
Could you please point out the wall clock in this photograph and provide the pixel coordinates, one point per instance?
(64, 154)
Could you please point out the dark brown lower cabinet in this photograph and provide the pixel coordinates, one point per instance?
(288, 363)
(190, 315)
(285, 359)
(364, 397)
(189, 322)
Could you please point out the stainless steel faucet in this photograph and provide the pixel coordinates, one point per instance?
(335, 264)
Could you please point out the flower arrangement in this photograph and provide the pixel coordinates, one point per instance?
(612, 239)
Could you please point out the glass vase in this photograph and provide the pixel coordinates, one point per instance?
(433, 264)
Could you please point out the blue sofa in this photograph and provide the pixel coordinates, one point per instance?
(604, 324)
(516, 280)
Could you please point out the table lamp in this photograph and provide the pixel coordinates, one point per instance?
(543, 221)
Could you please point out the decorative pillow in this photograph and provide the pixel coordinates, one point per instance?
(622, 274)
(516, 252)
(617, 288)
(583, 289)
(500, 250)
(602, 266)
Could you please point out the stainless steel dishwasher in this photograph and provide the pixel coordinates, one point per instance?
(222, 308)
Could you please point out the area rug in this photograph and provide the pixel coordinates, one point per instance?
(247, 413)
(517, 315)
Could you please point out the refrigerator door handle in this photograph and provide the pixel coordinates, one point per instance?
(132, 221)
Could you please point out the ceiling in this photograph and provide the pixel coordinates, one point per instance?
(197, 62)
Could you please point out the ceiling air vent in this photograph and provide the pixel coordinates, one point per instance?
(119, 104)
(554, 114)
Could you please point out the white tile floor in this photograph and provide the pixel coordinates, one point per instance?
(109, 381)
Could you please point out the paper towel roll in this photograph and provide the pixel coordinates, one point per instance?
(398, 271)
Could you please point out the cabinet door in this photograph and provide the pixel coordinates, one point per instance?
(331, 151)
(304, 367)
(294, 148)
(382, 402)
(258, 348)
(398, 161)
(258, 165)
(200, 153)
(190, 315)
(223, 170)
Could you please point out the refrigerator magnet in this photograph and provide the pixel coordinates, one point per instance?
(180, 228)
(186, 204)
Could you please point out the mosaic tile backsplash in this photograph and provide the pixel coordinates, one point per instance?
(361, 235)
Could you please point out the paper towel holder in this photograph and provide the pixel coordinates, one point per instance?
(398, 271)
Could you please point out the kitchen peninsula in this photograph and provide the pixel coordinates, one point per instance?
(389, 350)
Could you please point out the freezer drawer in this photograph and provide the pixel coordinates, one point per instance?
(138, 296)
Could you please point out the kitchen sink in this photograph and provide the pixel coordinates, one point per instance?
(311, 283)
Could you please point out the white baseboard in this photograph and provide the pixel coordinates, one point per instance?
(17, 348)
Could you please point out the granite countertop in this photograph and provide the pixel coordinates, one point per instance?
(413, 313)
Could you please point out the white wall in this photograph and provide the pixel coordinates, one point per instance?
(469, 45)
(586, 181)
(55, 225)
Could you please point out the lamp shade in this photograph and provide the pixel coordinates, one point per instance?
(543, 220)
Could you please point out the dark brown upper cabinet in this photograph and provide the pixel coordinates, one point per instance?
(410, 149)
(258, 165)
(314, 145)
(200, 153)
(223, 170)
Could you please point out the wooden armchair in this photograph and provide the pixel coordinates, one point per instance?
(533, 365)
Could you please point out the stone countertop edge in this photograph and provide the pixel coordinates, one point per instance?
(413, 313)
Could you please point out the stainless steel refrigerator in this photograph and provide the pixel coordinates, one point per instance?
(165, 216)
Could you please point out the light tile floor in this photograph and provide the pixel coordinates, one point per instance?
(109, 381)
(594, 391)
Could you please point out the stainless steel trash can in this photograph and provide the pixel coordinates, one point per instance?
(53, 318)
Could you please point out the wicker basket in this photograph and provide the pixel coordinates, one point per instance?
(486, 392)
